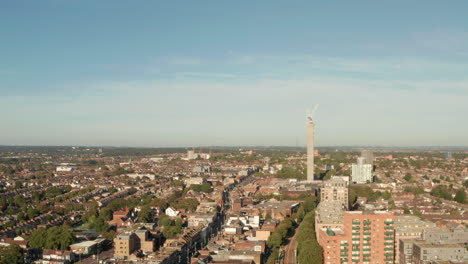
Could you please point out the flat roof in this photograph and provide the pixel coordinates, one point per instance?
(84, 244)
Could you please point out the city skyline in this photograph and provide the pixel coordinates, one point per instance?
(181, 75)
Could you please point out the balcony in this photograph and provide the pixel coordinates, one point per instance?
(344, 244)
(366, 244)
(388, 249)
(366, 249)
(344, 255)
(344, 250)
(388, 222)
(367, 228)
(367, 233)
(356, 227)
(356, 260)
(388, 254)
(388, 238)
(388, 233)
(344, 260)
(367, 222)
(356, 222)
(367, 238)
(355, 238)
(388, 243)
(388, 227)
(389, 259)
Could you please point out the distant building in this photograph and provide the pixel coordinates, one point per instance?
(310, 148)
(426, 253)
(170, 211)
(335, 189)
(361, 172)
(421, 252)
(448, 155)
(435, 244)
(141, 176)
(194, 180)
(201, 169)
(124, 245)
(368, 156)
(408, 227)
(191, 155)
(56, 256)
(66, 167)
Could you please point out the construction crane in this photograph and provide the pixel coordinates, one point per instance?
(311, 115)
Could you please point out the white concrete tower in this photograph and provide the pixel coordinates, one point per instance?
(310, 145)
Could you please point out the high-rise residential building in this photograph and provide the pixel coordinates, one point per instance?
(408, 227)
(367, 237)
(427, 253)
(191, 155)
(435, 244)
(368, 156)
(421, 252)
(310, 148)
(125, 244)
(328, 215)
(361, 172)
(336, 189)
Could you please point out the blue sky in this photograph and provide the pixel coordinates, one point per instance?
(189, 73)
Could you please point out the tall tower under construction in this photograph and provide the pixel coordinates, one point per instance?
(310, 147)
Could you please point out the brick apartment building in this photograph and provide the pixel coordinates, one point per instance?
(367, 237)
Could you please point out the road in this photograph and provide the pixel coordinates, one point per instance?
(290, 250)
(104, 255)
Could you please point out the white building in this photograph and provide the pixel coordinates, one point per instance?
(196, 220)
(66, 167)
(194, 180)
(171, 212)
(141, 175)
(361, 173)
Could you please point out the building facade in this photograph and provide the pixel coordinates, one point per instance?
(336, 189)
(310, 148)
(368, 156)
(367, 237)
(361, 172)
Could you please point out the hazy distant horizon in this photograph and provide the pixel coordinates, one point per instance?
(233, 73)
(205, 148)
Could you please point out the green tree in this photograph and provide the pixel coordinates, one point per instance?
(145, 215)
(441, 191)
(18, 184)
(38, 237)
(408, 177)
(164, 220)
(11, 254)
(275, 240)
(460, 196)
(206, 188)
(19, 200)
(273, 256)
(57, 237)
(329, 174)
(311, 252)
